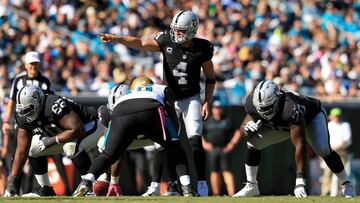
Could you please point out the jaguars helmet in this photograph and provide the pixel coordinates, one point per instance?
(29, 102)
(183, 26)
(140, 82)
(266, 99)
(115, 93)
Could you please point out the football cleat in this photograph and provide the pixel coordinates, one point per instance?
(83, 188)
(250, 190)
(188, 191)
(172, 189)
(347, 189)
(45, 191)
(153, 190)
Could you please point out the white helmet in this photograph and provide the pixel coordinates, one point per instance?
(29, 102)
(183, 26)
(115, 93)
(266, 99)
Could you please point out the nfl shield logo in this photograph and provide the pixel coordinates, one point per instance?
(169, 50)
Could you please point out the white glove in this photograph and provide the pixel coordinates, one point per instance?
(41, 145)
(251, 127)
(299, 190)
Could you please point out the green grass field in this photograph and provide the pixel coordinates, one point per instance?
(137, 199)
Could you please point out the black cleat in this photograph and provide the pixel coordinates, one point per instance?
(172, 189)
(45, 191)
(83, 188)
(188, 191)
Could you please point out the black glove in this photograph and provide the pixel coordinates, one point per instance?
(13, 186)
(46, 142)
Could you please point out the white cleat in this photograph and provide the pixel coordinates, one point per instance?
(202, 189)
(153, 190)
(347, 190)
(250, 190)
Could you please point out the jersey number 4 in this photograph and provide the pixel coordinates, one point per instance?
(180, 72)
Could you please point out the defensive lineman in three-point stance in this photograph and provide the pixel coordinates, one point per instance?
(275, 115)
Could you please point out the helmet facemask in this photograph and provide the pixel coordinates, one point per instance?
(266, 99)
(29, 102)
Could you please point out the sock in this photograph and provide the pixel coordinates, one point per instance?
(43, 180)
(342, 176)
(251, 173)
(89, 177)
(185, 180)
(114, 179)
(156, 184)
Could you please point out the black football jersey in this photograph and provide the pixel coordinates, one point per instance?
(104, 115)
(290, 102)
(55, 108)
(182, 66)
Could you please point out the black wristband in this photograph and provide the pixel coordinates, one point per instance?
(300, 175)
(49, 141)
(210, 81)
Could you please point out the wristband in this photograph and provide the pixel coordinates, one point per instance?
(6, 119)
(210, 81)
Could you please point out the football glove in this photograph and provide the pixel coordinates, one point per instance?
(251, 127)
(299, 190)
(46, 142)
(13, 186)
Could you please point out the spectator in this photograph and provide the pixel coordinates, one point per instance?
(340, 140)
(218, 143)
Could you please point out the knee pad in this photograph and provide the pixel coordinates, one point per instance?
(69, 149)
(101, 144)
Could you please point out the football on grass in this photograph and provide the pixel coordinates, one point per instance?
(100, 188)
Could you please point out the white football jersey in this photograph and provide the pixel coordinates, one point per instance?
(153, 91)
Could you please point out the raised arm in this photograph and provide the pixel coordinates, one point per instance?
(131, 42)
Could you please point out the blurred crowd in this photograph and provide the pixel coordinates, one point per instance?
(310, 46)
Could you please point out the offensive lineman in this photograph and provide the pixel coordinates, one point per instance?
(184, 56)
(49, 124)
(140, 112)
(275, 115)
